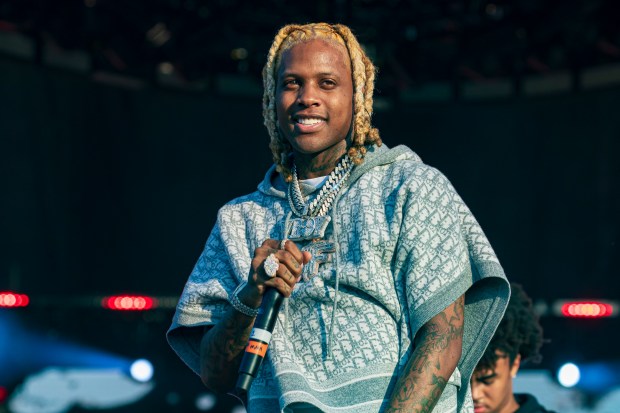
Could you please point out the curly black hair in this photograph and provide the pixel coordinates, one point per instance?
(519, 332)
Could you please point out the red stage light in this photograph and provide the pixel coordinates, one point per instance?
(587, 309)
(9, 299)
(129, 302)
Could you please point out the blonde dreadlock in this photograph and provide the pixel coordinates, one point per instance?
(363, 74)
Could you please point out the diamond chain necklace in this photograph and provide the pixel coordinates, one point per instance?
(323, 201)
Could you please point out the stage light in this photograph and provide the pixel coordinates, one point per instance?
(593, 377)
(10, 299)
(205, 402)
(129, 302)
(586, 308)
(569, 375)
(141, 370)
(3, 394)
(59, 390)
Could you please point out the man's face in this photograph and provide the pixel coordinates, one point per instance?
(314, 96)
(492, 389)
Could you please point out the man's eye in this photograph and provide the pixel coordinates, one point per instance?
(290, 83)
(328, 83)
(486, 382)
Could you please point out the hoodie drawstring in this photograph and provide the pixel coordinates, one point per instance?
(333, 321)
(287, 221)
(336, 263)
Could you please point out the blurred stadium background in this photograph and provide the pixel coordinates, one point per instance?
(125, 125)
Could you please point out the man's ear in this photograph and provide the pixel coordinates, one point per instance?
(515, 366)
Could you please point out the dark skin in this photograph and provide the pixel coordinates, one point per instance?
(314, 83)
(314, 105)
(438, 347)
(310, 167)
(222, 345)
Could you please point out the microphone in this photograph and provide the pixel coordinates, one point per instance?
(259, 340)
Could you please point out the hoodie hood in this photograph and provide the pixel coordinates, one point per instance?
(273, 184)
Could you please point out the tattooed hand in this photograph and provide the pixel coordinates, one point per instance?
(222, 345)
(291, 260)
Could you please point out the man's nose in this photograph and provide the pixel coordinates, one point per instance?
(308, 96)
(476, 391)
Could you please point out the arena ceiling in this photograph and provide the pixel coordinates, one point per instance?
(413, 42)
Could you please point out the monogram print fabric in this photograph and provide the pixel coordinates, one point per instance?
(403, 247)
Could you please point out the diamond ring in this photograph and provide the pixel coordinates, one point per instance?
(283, 244)
(271, 265)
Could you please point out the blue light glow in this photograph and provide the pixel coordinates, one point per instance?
(24, 352)
(599, 377)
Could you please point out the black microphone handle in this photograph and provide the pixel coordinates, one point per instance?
(259, 340)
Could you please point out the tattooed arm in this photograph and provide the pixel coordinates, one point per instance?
(436, 353)
(221, 350)
(222, 345)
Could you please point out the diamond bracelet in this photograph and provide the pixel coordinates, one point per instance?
(238, 305)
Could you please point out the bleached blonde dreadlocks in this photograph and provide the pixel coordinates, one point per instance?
(363, 74)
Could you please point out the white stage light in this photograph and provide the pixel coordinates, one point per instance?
(141, 370)
(205, 402)
(569, 375)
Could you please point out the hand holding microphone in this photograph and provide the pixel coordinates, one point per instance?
(276, 268)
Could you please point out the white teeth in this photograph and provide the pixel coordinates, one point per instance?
(309, 121)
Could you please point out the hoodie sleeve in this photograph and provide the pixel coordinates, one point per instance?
(432, 253)
(204, 300)
(442, 254)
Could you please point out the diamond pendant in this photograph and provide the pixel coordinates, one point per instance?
(302, 229)
(321, 251)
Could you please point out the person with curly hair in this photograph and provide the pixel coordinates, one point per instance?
(518, 340)
(380, 260)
